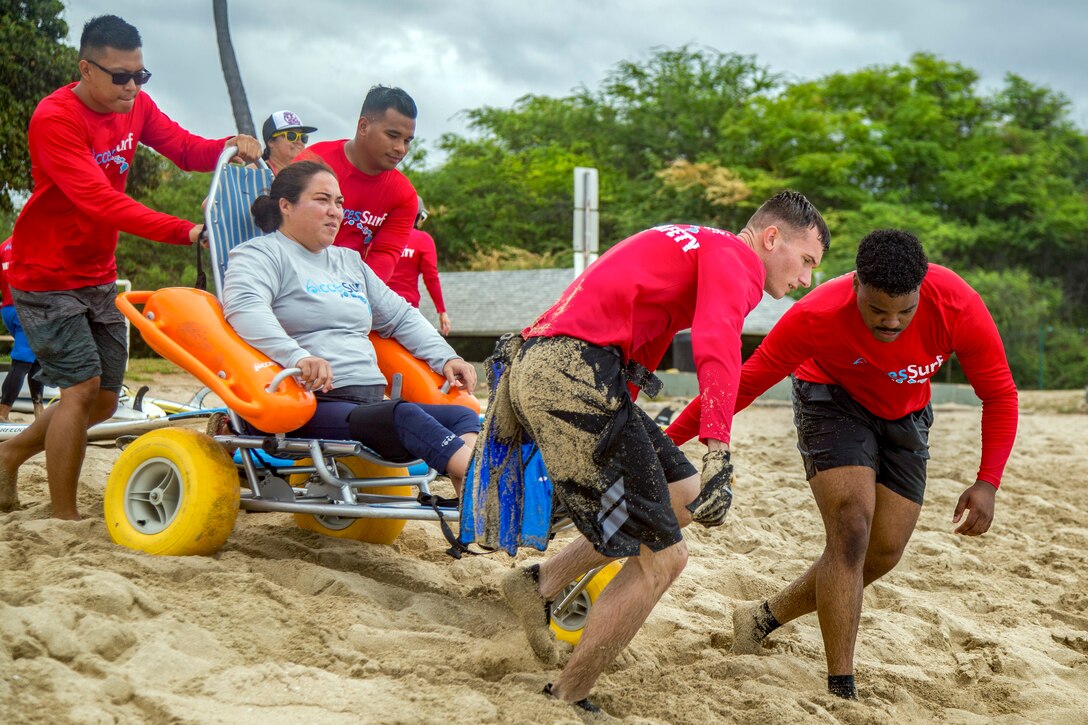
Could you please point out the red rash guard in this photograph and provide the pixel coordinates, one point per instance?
(379, 211)
(647, 288)
(822, 339)
(418, 257)
(66, 235)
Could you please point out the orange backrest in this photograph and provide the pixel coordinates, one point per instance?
(186, 326)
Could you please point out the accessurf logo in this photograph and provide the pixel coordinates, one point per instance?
(916, 374)
(104, 158)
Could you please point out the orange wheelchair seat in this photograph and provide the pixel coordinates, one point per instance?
(186, 326)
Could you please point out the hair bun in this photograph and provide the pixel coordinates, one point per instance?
(266, 212)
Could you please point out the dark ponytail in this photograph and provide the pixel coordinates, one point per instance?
(288, 184)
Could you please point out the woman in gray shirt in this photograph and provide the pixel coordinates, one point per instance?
(308, 304)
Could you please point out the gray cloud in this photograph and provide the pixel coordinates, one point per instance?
(319, 57)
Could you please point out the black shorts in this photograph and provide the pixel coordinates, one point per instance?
(610, 464)
(834, 430)
(76, 335)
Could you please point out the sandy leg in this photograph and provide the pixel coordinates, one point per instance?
(9, 486)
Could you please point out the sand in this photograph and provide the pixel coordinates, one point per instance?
(285, 626)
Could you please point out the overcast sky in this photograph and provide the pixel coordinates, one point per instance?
(318, 57)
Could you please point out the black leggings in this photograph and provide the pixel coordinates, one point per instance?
(396, 430)
(13, 383)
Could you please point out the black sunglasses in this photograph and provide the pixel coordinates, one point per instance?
(122, 79)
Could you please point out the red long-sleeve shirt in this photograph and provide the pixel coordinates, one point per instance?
(822, 339)
(379, 210)
(66, 235)
(5, 264)
(647, 288)
(418, 257)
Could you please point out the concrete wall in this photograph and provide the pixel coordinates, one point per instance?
(685, 385)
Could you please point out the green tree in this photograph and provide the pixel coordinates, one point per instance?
(34, 61)
(511, 182)
(7, 221)
(163, 187)
(1020, 304)
(486, 199)
(1064, 356)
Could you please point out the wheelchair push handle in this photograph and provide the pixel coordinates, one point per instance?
(280, 377)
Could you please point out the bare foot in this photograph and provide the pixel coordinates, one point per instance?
(522, 591)
(747, 638)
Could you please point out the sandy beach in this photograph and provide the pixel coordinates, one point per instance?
(286, 626)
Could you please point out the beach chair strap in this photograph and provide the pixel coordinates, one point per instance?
(457, 548)
(201, 278)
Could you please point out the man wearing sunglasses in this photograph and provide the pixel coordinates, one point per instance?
(284, 138)
(82, 140)
(379, 202)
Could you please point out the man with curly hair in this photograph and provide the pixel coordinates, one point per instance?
(862, 350)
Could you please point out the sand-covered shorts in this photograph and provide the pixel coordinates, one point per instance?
(610, 464)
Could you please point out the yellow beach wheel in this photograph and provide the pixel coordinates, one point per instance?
(569, 625)
(172, 492)
(373, 531)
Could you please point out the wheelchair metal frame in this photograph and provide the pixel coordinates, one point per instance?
(326, 492)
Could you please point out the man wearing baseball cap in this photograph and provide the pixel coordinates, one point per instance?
(285, 137)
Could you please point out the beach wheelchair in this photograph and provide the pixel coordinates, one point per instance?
(178, 491)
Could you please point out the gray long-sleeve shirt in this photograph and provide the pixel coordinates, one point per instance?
(291, 303)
